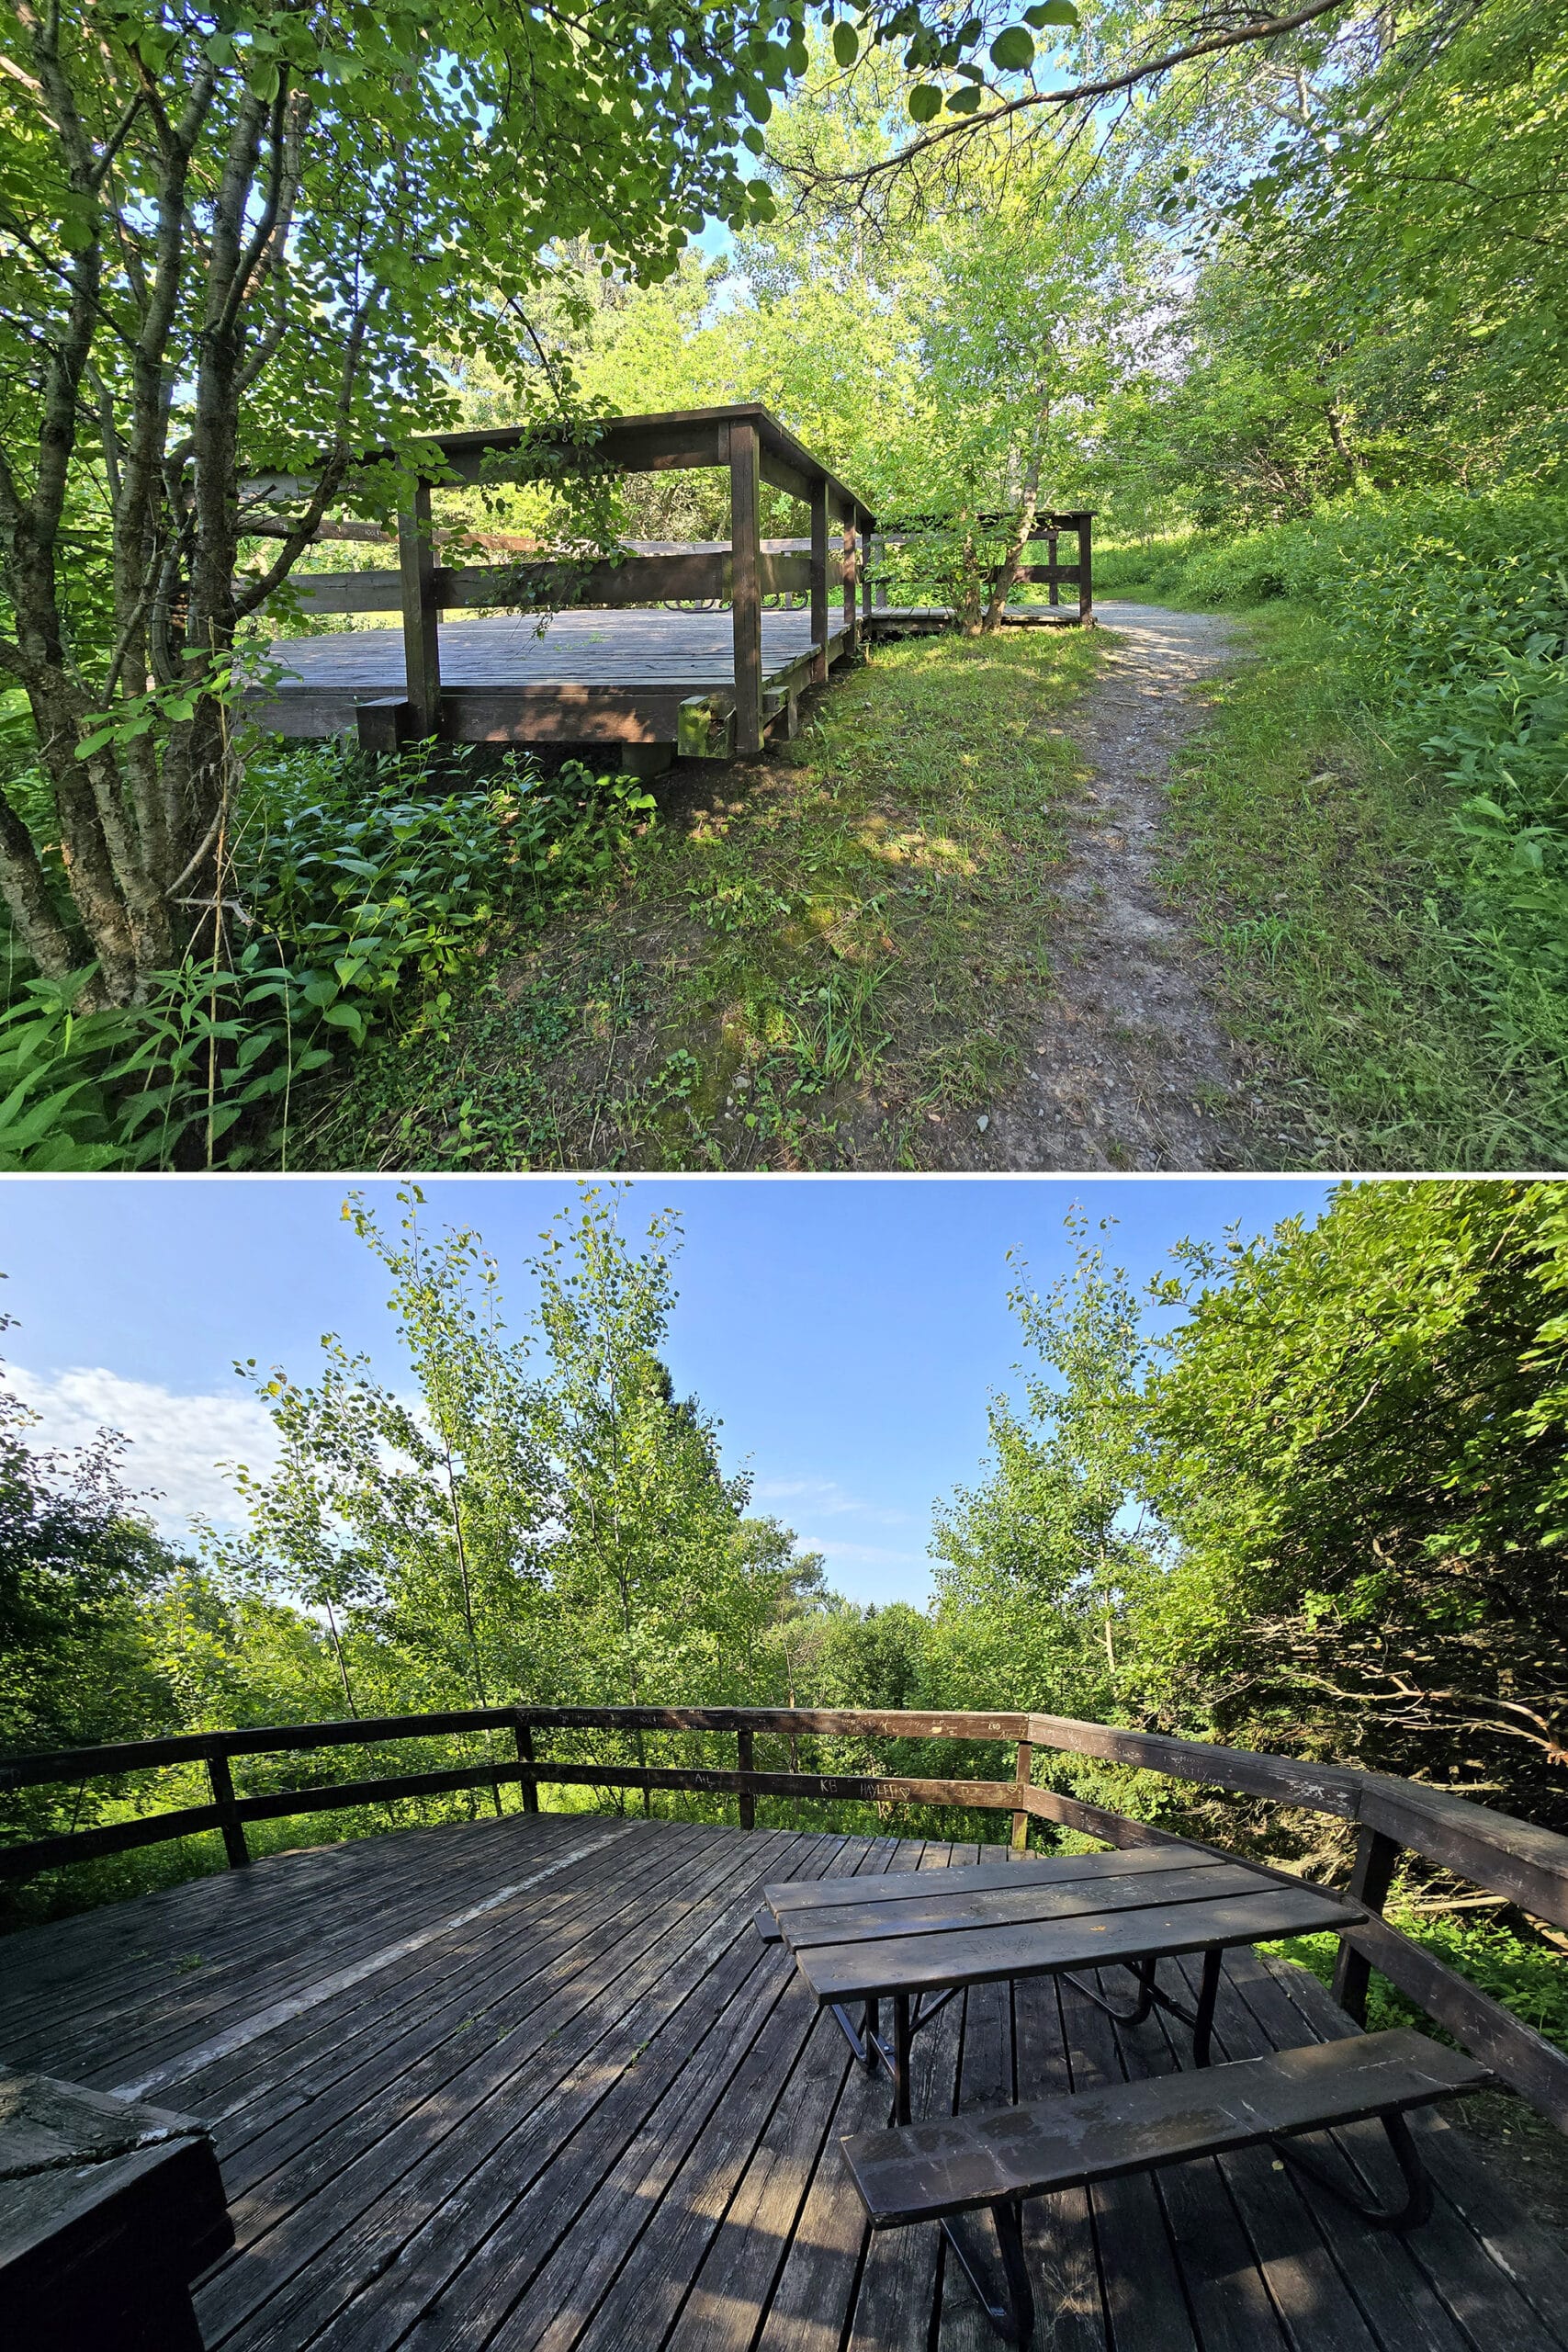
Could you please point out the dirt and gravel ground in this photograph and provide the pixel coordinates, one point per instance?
(1131, 1069)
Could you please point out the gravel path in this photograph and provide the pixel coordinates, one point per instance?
(1131, 1069)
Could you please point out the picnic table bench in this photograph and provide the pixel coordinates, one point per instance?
(921, 1939)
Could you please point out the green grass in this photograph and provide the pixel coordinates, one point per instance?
(1318, 861)
(832, 957)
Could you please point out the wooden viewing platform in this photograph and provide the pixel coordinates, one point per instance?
(537, 2082)
(610, 655)
(653, 682)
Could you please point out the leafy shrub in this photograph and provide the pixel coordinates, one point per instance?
(354, 893)
(1523, 1975)
(1452, 611)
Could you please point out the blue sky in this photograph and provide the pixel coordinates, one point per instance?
(846, 1332)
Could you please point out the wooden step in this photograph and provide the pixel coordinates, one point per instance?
(928, 2170)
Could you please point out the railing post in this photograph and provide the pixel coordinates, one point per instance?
(851, 631)
(1020, 1820)
(1371, 1875)
(820, 581)
(421, 644)
(745, 1760)
(1086, 568)
(1052, 542)
(522, 1733)
(232, 1827)
(745, 593)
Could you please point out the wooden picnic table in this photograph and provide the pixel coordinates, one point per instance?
(919, 1938)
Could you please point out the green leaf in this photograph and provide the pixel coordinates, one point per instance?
(925, 103)
(1052, 12)
(846, 43)
(1012, 51)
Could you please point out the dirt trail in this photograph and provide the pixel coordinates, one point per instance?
(1131, 1069)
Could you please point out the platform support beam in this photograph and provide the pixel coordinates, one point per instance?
(746, 600)
(820, 581)
(421, 646)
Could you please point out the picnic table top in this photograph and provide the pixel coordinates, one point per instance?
(1035, 1919)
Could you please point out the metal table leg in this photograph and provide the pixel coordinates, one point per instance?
(902, 2037)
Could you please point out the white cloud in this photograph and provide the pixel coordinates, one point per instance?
(176, 1442)
(826, 1498)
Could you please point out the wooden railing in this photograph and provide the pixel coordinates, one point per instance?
(1525, 1865)
(746, 440)
(1046, 530)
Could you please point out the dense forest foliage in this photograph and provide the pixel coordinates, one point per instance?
(1280, 298)
(1307, 1495)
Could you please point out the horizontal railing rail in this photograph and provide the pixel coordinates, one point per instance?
(704, 575)
(1523, 1864)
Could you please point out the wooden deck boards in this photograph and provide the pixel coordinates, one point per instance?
(601, 2112)
(632, 648)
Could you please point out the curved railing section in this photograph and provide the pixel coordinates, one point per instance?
(1525, 1865)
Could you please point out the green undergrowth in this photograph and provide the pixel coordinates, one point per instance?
(1318, 857)
(361, 892)
(1373, 828)
(1523, 1975)
(829, 958)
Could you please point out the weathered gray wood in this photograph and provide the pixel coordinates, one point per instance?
(1058, 2231)
(746, 607)
(421, 646)
(1154, 2295)
(679, 2127)
(1518, 1858)
(113, 1837)
(1519, 2056)
(953, 2165)
(847, 1923)
(1504, 2277)
(107, 2211)
(1020, 1818)
(1292, 2228)
(229, 1821)
(386, 725)
(1322, 1788)
(1093, 1820)
(847, 542)
(791, 1897)
(315, 2181)
(819, 581)
(678, 438)
(973, 1956)
(1371, 1876)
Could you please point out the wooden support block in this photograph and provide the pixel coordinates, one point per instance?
(384, 726)
(703, 732)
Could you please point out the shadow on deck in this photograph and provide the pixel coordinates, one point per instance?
(536, 2082)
